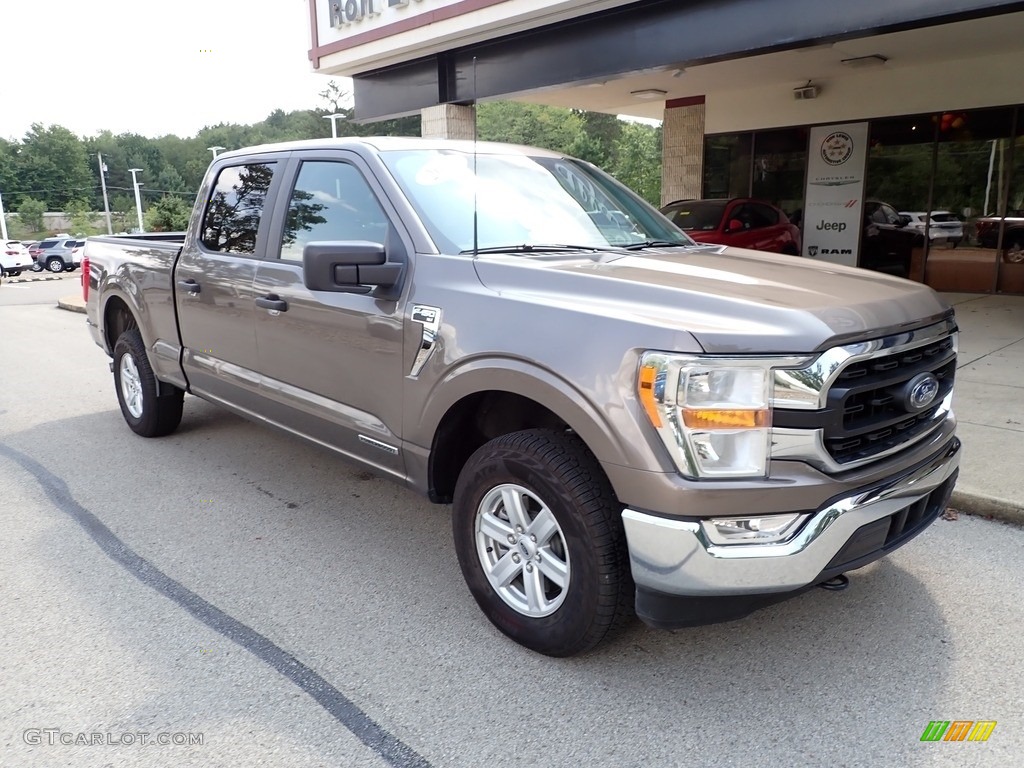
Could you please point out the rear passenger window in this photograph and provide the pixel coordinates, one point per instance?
(236, 203)
(331, 201)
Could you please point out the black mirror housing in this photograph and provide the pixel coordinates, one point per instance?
(351, 266)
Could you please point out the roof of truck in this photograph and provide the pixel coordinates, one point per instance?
(393, 143)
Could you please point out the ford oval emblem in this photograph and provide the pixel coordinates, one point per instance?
(921, 392)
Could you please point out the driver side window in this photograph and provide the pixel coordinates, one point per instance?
(331, 201)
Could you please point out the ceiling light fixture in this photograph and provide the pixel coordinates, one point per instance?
(874, 60)
(649, 93)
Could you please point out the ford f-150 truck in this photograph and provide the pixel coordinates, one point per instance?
(622, 419)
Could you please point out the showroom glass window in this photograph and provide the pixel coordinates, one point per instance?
(727, 165)
(780, 169)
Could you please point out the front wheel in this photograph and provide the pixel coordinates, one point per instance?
(55, 265)
(538, 534)
(146, 411)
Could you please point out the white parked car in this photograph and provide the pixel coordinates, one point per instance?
(943, 226)
(14, 258)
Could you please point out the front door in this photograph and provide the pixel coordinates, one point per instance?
(331, 362)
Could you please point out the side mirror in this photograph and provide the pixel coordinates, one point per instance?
(903, 221)
(354, 266)
(735, 225)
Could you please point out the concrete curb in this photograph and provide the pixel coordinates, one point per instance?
(71, 304)
(987, 506)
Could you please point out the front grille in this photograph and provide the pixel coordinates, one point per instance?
(866, 412)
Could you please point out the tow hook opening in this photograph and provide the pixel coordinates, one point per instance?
(836, 583)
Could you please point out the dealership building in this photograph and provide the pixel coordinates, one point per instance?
(890, 131)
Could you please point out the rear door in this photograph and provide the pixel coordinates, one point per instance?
(213, 290)
(332, 362)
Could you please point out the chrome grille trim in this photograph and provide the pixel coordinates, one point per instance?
(807, 388)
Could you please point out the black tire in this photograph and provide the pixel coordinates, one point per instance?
(1013, 250)
(557, 470)
(153, 416)
(37, 267)
(55, 264)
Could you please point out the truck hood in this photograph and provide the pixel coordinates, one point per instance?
(730, 300)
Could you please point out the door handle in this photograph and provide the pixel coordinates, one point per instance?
(273, 302)
(190, 286)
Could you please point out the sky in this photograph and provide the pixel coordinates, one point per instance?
(153, 68)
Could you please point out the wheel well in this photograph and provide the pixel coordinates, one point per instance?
(473, 421)
(117, 319)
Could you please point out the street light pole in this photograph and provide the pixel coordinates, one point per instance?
(103, 185)
(3, 219)
(138, 200)
(215, 150)
(334, 123)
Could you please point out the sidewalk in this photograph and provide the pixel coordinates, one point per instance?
(988, 401)
(989, 404)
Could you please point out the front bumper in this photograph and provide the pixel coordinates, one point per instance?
(683, 579)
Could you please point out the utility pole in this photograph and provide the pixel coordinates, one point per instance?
(103, 184)
(138, 200)
(3, 218)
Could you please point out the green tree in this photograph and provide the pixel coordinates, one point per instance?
(638, 160)
(532, 124)
(122, 213)
(30, 215)
(168, 214)
(52, 163)
(170, 180)
(83, 218)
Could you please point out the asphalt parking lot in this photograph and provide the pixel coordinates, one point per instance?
(231, 586)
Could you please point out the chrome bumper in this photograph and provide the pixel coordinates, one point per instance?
(674, 557)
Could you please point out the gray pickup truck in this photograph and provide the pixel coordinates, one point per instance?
(623, 420)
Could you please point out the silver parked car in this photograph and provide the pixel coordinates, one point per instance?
(942, 226)
(55, 254)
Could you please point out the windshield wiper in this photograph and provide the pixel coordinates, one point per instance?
(655, 244)
(535, 248)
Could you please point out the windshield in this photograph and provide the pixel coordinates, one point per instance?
(697, 215)
(523, 201)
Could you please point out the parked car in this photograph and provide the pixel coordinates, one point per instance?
(54, 254)
(740, 223)
(77, 251)
(887, 242)
(987, 229)
(941, 225)
(14, 258)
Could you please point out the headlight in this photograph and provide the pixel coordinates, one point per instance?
(713, 414)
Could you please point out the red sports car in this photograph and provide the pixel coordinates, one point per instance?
(740, 222)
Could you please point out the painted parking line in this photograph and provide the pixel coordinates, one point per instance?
(32, 279)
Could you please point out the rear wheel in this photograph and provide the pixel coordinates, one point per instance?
(146, 411)
(37, 267)
(1014, 252)
(539, 539)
